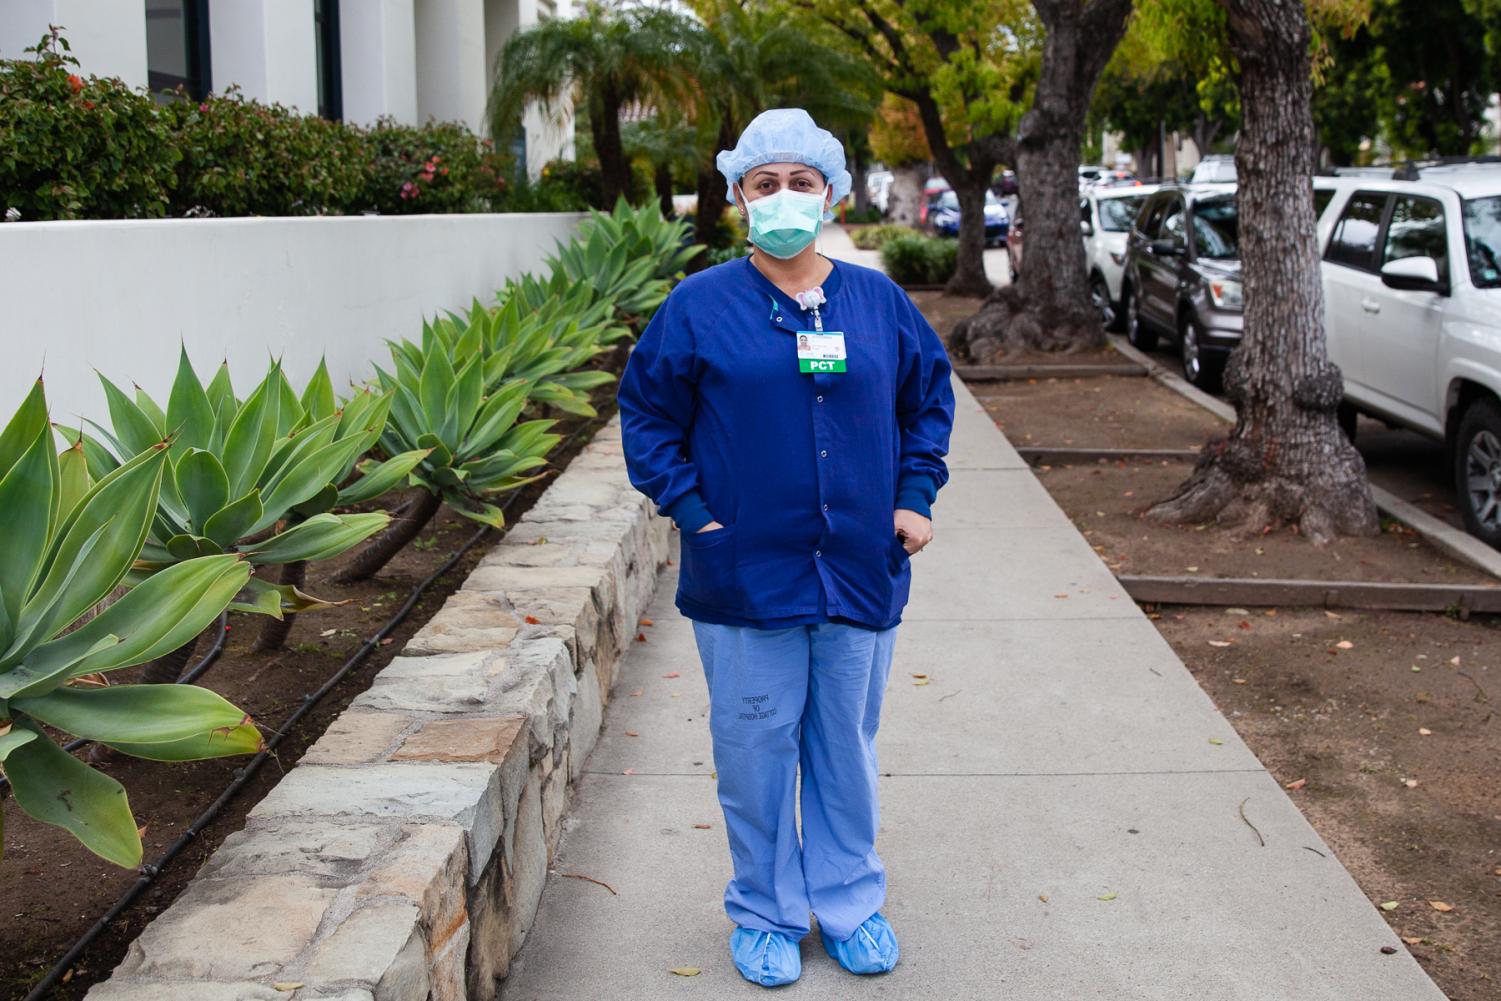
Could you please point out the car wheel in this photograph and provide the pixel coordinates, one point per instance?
(1477, 469)
(1099, 297)
(1136, 330)
(1197, 369)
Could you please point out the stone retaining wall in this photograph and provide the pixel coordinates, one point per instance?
(404, 857)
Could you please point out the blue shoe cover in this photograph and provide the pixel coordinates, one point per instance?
(768, 958)
(872, 949)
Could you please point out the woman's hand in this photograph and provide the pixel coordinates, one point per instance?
(915, 530)
(712, 526)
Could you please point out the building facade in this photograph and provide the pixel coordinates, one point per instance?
(355, 60)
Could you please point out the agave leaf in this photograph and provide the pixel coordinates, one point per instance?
(56, 788)
(437, 377)
(321, 501)
(232, 522)
(485, 514)
(318, 397)
(26, 500)
(304, 479)
(13, 739)
(190, 415)
(248, 444)
(377, 479)
(285, 597)
(203, 486)
(135, 430)
(318, 538)
(73, 478)
(23, 427)
(151, 714)
(100, 461)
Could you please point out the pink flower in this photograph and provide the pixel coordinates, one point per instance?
(443, 170)
(426, 175)
(437, 159)
(203, 107)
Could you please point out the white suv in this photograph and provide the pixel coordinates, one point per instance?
(1412, 291)
(1106, 216)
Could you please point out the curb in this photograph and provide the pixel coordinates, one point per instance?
(404, 858)
(1439, 533)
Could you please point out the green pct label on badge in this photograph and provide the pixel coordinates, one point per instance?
(820, 351)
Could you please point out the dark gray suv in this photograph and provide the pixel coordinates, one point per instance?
(1182, 277)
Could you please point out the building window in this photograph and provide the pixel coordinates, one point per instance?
(330, 82)
(177, 47)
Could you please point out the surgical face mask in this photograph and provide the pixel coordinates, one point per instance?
(786, 222)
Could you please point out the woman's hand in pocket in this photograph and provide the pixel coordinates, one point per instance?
(915, 530)
(712, 526)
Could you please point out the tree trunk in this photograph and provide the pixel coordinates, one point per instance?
(857, 183)
(274, 632)
(1286, 460)
(1049, 310)
(380, 550)
(969, 267)
(905, 194)
(614, 167)
(713, 195)
(662, 181)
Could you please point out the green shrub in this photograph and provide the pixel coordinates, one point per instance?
(545, 195)
(919, 260)
(241, 157)
(582, 180)
(869, 214)
(875, 237)
(75, 148)
(441, 167)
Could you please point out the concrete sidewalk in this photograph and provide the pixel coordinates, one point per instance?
(1060, 751)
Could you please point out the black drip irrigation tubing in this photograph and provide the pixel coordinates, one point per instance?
(151, 870)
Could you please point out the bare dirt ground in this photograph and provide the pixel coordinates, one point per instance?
(1386, 726)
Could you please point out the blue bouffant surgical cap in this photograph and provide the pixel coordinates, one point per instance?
(787, 135)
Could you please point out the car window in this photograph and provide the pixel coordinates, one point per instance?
(1117, 214)
(948, 200)
(1354, 241)
(1215, 229)
(1482, 219)
(1173, 223)
(1416, 229)
(1321, 199)
(1084, 210)
(1150, 218)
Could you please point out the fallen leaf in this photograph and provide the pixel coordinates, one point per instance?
(388, 641)
(1192, 569)
(1060, 596)
(1334, 615)
(1388, 950)
(702, 827)
(1296, 784)
(1243, 624)
(640, 637)
(1412, 939)
(1237, 681)
(672, 674)
(629, 771)
(1410, 783)
(646, 622)
(1270, 613)
(1106, 896)
(1215, 741)
(1424, 731)
(1345, 645)
(919, 676)
(1440, 906)
(1043, 897)
(1416, 669)
(1220, 643)
(328, 632)
(686, 971)
(530, 620)
(920, 681)
(632, 733)
(639, 691)
(286, 985)
(1389, 905)
(1236, 611)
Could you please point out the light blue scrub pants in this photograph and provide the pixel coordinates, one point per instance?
(780, 697)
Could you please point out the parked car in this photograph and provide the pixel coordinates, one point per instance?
(931, 190)
(1106, 215)
(1412, 290)
(1216, 168)
(1182, 277)
(944, 217)
(878, 188)
(1005, 183)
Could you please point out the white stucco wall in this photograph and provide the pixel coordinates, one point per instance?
(118, 296)
(377, 44)
(268, 48)
(108, 36)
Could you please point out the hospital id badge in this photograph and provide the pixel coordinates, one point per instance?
(820, 352)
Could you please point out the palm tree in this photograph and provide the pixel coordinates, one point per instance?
(603, 60)
(747, 57)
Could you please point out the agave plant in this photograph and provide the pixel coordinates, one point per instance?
(628, 259)
(70, 542)
(475, 450)
(256, 478)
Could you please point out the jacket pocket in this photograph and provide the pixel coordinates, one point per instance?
(708, 573)
(896, 555)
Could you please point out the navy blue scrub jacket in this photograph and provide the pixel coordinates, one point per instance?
(803, 470)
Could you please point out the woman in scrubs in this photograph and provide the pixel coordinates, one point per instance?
(791, 416)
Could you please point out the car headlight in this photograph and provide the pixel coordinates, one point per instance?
(1118, 256)
(1226, 294)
